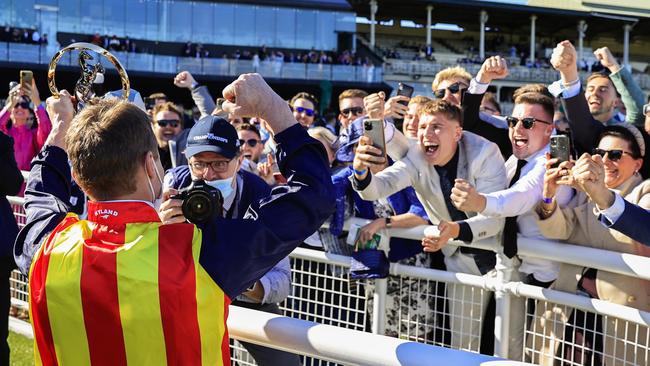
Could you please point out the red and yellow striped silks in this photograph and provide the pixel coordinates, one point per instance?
(125, 289)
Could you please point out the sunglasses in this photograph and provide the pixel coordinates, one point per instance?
(354, 110)
(23, 105)
(171, 122)
(306, 111)
(249, 142)
(613, 155)
(453, 89)
(527, 122)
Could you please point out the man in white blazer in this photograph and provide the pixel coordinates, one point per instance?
(444, 152)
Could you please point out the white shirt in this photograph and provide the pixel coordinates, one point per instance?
(613, 213)
(520, 200)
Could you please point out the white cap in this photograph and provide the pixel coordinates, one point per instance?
(134, 97)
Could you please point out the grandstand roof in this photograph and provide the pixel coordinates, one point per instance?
(307, 4)
(603, 16)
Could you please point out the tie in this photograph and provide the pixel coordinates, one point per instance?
(510, 229)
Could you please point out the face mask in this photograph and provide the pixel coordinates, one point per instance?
(157, 199)
(223, 185)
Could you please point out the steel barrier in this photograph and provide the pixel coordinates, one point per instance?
(323, 293)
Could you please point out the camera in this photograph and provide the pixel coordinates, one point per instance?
(201, 202)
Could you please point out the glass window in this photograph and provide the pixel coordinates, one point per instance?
(305, 28)
(114, 16)
(179, 19)
(202, 19)
(5, 16)
(265, 26)
(92, 18)
(345, 22)
(285, 34)
(224, 24)
(152, 21)
(23, 14)
(136, 18)
(325, 36)
(245, 25)
(69, 15)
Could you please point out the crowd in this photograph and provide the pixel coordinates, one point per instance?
(450, 160)
(22, 35)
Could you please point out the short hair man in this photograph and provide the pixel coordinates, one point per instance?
(215, 157)
(101, 288)
(443, 153)
(167, 123)
(530, 130)
(351, 106)
(599, 97)
(412, 116)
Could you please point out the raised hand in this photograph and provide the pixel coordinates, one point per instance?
(493, 68)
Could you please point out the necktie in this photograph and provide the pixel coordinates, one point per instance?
(510, 229)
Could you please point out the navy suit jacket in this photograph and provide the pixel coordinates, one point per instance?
(634, 222)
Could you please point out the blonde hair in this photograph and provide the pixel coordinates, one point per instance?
(352, 93)
(419, 99)
(450, 73)
(439, 106)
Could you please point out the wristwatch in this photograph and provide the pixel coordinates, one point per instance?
(388, 223)
(646, 109)
(194, 85)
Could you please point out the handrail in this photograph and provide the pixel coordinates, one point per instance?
(347, 346)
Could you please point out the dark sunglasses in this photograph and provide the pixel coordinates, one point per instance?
(23, 105)
(527, 122)
(354, 110)
(613, 155)
(306, 111)
(453, 89)
(171, 122)
(250, 142)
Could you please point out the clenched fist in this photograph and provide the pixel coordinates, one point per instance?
(564, 57)
(495, 67)
(604, 55)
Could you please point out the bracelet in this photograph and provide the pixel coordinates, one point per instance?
(548, 201)
(389, 223)
(360, 172)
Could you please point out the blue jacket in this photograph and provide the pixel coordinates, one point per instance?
(271, 228)
(404, 201)
(633, 223)
(10, 182)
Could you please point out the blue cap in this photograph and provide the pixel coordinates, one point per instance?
(352, 134)
(213, 134)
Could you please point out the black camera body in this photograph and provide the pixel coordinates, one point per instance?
(201, 202)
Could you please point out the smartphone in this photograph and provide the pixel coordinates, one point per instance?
(407, 91)
(560, 148)
(26, 77)
(374, 128)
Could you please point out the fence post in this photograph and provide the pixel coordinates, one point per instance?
(379, 306)
(502, 299)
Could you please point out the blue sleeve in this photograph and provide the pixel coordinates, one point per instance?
(633, 223)
(47, 200)
(341, 186)
(416, 207)
(238, 252)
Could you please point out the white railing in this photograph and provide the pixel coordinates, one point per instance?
(323, 292)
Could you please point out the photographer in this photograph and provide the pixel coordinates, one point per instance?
(214, 156)
(102, 288)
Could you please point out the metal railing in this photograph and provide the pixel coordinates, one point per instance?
(323, 292)
(146, 62)
(516, 73)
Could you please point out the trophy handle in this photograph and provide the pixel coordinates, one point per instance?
(51, 71)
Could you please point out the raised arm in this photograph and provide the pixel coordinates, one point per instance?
(274, 226)
(47, 195)
(200, 93)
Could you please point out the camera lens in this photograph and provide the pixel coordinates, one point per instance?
(198, 207)
(367, 125)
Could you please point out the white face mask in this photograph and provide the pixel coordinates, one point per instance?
(223, 185)
(157, 199)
